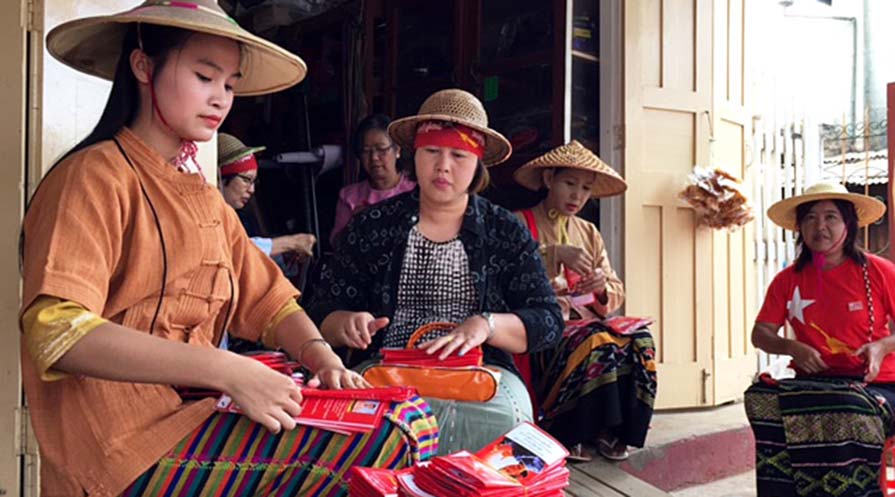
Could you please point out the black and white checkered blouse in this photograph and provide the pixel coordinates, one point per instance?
(435, 285)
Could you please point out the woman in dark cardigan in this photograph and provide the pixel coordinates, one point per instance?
(442, 253)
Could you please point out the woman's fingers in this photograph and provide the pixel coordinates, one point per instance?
(287, 422)
(355, 380)
(362, 382)
(292, 407)
(270, 422)
(433, 346)
(451, 346)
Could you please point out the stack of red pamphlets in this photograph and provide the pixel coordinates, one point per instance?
(526, 461)
(278, 361)
(375, 482)
(340, 411)
(625, 325)
(421, 358)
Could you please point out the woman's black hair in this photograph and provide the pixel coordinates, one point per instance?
(849, 247)
(123, 104)
(373, 122)
(124, 100)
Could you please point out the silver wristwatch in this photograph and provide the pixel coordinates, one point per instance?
(490, 319)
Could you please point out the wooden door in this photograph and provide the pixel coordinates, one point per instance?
(734, 293)
(686, 104)
(668, 259)
(13, 57)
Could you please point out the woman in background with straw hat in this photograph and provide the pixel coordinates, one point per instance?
(238, 171)
(134, 266)
(597, 385)
(822, 432)
(443, 253)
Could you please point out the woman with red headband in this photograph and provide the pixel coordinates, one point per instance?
(443, 253)
(238, 169)
(133, 268)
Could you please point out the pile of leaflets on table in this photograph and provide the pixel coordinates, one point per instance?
(526, 461)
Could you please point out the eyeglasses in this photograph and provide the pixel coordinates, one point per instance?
(248, 180)
(378, 151)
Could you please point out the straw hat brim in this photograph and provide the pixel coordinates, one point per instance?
(607, 184)
(239, 154)
(93, 45)
(497, 148)
(783, 212)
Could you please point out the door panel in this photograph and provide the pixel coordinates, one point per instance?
(667, 257)
(734, 357)
(12, 147)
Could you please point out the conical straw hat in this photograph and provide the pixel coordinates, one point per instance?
(93, 44)
(455, 106)
(783, 212)
(572, 155)
(231, 149)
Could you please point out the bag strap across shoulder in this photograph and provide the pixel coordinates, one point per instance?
(530, 221)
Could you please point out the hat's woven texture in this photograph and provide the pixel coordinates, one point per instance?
(572, 155)
(456, 106)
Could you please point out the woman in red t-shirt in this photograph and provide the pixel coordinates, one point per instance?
(822, 433)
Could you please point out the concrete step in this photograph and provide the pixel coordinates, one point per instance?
(694, 447)
(741, 485)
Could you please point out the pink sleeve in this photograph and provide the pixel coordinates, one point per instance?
(343, 215)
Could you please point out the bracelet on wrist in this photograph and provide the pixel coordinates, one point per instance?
(304, 348)
(489, 318)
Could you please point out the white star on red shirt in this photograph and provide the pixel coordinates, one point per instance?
(797, 305)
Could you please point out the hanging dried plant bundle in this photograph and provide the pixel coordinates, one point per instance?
(717, 199)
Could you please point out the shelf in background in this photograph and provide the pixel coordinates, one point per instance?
(509, 64)
(585, 56)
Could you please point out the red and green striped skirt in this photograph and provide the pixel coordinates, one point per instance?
(230, 456)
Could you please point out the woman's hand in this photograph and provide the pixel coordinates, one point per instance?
(267, 397)
(592, 283)
(806, 357)
(575, 258)
(338, 378)
(873, 354)
(301, 243)
(355, 330)
(470, 334)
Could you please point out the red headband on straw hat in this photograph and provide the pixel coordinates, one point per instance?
(443, 134)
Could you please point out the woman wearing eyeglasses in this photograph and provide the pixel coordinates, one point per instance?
(379, 157)
(239, 173)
